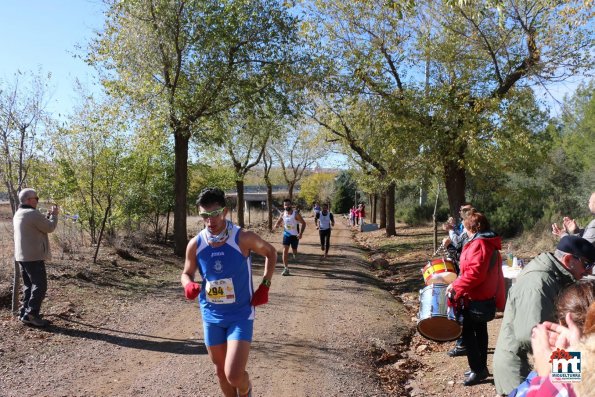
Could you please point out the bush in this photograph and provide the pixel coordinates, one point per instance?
(417, 215)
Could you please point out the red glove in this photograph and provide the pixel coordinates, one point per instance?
(261, 295)
(191, 290)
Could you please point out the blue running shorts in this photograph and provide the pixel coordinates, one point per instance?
(219, 333)
(290, 240)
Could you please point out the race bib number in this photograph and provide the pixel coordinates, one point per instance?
(289, 227)
(221, 291)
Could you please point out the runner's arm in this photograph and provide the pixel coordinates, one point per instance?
(332, 220)
(250, 241)
(189, 264)
(279, 220)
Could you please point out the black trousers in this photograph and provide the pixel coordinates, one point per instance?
(35, 285)
(475, 337)
(325, 239)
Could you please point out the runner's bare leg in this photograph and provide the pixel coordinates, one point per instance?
(218, 354)
(235, 365)
(285, 256)
(230, 361)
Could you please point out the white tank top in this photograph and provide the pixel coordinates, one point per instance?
(324, 221)
(290, 224)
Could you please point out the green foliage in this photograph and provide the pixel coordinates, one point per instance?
(577, 135)
(409, 210)
(345, 188)
(23, 140)
(214, 174)
(317, 188)
(149, 193)
(417, 215)
(181, 62)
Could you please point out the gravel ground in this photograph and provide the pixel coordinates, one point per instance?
(122, 328)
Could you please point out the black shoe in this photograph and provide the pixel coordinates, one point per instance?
(474, 378)
(457, 351)
(35, 321)
(467, 373)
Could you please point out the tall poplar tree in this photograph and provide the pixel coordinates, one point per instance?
(187, 60)
(452, 70)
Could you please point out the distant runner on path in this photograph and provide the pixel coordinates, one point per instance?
(221, 254)
(291, 236)
(324, 220)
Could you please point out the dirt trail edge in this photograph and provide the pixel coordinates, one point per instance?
(323, 327)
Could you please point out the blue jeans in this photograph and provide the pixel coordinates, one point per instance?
(35, 285)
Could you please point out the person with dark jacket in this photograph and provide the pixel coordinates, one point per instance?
(456, 240)
(480, 284)
(531, 301)
(31, 250)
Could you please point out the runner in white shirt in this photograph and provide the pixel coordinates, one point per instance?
(324, 220)
(291, 236)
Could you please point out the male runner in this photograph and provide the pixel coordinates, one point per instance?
(324, 220)
(221, 254)
(291, 236)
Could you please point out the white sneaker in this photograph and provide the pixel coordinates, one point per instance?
(285, 272)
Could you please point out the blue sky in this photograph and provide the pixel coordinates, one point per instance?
(43, 35)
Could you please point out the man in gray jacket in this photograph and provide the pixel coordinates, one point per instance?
(531, 301)
(31, 249)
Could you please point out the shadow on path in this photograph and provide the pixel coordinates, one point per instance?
(341, 267)
(133, 341)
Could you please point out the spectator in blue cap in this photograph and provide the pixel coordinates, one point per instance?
(531, 301)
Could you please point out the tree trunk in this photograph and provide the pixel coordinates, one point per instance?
(391, 229)
(455, 180)
(109, 206)
(16, 281)
(13, 197)
(240, 203)
(180, 189)
(373, 204)
(435, 220)
(269, 204)
(290, 187)
(382, 208)
(166, 226)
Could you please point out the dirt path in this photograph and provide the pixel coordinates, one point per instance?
(314, 338)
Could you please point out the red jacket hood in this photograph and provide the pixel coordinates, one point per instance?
(480, 278)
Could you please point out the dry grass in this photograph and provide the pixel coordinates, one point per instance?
(6, 244)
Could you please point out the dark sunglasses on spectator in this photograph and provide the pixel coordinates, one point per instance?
(585, 263)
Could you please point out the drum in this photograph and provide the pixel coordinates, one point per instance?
(436, 320)
(441, 271)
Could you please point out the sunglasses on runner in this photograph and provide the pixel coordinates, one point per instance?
(211, 214)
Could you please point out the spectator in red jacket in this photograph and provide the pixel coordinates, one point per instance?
(356, 215)
(479, 289)
(362, 213)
